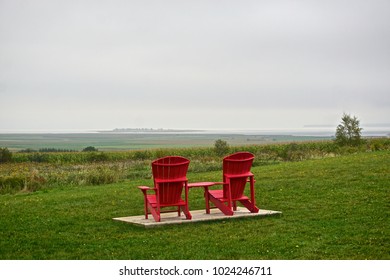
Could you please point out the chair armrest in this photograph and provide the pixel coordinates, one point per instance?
(220, 183)
(216, 184)
(144, 189)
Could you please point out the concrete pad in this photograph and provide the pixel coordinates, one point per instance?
(197, 216)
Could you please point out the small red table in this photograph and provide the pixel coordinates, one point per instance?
(206, 186)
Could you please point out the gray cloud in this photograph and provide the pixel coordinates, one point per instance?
(137, 61)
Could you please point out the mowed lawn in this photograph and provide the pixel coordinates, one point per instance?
(333, 208)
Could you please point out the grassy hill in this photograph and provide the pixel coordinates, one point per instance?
(333, 208)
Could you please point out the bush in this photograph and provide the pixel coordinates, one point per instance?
(28, 150)
(55, 150)
(11, 184)
(141, 155)
(221, 147)
(90, 149)
(38, 157)
(378, 144)
(97, 157)
(294, 152)
(5, 155)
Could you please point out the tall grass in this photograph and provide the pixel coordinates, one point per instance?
(34, 171)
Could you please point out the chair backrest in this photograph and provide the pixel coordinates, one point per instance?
(169, 175)
(233, 166)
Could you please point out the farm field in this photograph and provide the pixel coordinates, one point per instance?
(137, 141)
(333, 208)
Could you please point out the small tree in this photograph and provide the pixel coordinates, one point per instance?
(348, 132)
(90, 149)
(221, 147)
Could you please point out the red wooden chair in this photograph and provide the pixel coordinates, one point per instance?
(236, 175)
(169, 176)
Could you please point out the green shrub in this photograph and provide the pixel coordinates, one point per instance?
(11, 183)
(96, 157)
(378, 144)
(38, 157)
(100, 176)
(221, 147)
(90, 149)
(5, 155)
(294, 152)
(55, 150)
(34, 181)
(28, 150)
(141, 155)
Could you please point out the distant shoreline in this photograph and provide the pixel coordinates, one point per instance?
(141, 140)
(313, 131)
(148, 130)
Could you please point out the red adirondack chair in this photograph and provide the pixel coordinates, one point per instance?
(169, 176)
(236, 175)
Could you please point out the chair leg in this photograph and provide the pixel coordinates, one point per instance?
(155, 213)
(221, 206)
(250, 206)
(186, 212)
(207, 200)
(146, 208)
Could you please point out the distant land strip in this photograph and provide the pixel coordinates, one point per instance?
(148, 130)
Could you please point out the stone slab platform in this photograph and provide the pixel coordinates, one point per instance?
(197, 216)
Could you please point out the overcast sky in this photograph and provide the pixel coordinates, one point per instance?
(200, 64)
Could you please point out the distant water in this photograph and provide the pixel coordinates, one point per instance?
(306, 131)
(315, 132)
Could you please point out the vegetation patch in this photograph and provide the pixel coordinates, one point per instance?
(333, 208)
(39, 170)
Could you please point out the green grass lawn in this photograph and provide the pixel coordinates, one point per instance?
(333, 208)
